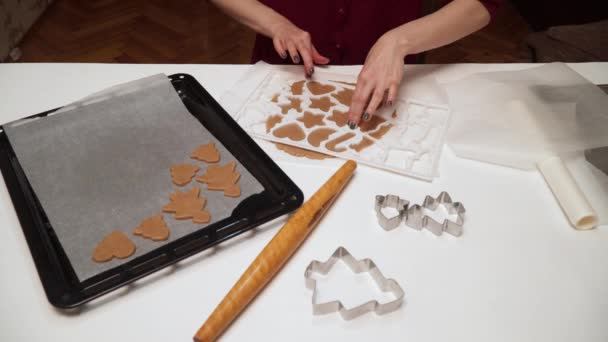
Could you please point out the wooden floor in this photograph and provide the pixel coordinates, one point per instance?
(194, 31)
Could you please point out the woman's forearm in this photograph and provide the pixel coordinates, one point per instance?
(253, 14)
(456, 20)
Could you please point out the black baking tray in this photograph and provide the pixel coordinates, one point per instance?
(62, 287)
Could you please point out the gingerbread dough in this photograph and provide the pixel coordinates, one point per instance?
(115, 245)
(294, 103)
(331, 145)
(275, 98)
(222, 178)
(394, 115)
(153, 228)
(310, 120)
(381, 131)
(302, 153)
(182, 174)
(318, 88)
(372, 124)
(316, 137)
(323, 103)
(206, 153)
(365, 143)
(187, 205)
(344, 96)
(297, 88)
(339, 118)
(272, 121)
(292, 131)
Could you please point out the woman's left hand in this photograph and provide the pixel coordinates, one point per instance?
(379, 79)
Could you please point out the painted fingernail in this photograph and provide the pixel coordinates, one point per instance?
(296, 59)
(283, 55)
(352, 124)
(366, 116)
(390, 103)
(311, 71)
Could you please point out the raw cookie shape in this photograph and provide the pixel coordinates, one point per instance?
(344, 96)
(114, 245)
(182, 174)
(297, 88)
(310, 120)
(371, 124)
(380, 132)
(187, 205)
(153, 228)
(340, 118)
(291, 131)
(272, 121)
(318, 88)
(222, 178)
(294, 103)
(323, 103)
(332, 144)
(363, 144)
(319, 135)
(206, 153)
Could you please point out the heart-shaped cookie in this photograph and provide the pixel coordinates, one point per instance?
(114, 245)
(317, 88)
(153, 228)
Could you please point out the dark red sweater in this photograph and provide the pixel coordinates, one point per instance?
(342, 30)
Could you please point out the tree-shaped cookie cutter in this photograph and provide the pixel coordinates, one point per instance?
(390, 201)
(416, 217)
(357, 266)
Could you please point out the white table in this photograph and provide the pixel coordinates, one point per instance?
(519, 272)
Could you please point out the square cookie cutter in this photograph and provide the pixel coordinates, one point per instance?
(357, 266)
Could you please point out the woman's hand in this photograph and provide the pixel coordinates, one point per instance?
(379, 79)
(290, 40)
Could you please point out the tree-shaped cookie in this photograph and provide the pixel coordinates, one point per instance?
(187, 205)
(206, 153)
(153, 228)
(222, 178)
(182, 174)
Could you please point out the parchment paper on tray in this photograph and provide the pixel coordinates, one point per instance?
(102, 164)
(406, 138)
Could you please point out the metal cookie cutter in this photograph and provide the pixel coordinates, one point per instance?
(390, 201)
(357, 266)
(417, 219)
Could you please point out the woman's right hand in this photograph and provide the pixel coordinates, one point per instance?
(290, 40)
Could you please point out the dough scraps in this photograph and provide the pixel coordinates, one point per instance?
(316, 137)
(187, 205)
(310, 120)
(220, 178)
(294, 103)
(114, 245)
(301, 152)
(323, 103)
(365, 143)
(292, 131)
(318, 88)
(344, 96)
(206, 153)
(153, 228)
(331, 145)
(275, 98)
(182, 174)
(272, 121)
(394, 115)
(297, 88)
(381, 131)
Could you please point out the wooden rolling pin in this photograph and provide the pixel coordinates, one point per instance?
(274, 255)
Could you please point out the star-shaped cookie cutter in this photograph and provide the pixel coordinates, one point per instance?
(416, 218)
(357, 266)
(390, 201)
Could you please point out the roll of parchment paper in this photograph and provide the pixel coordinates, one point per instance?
(567, 192)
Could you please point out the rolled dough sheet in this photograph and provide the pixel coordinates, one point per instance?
(104, 165)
